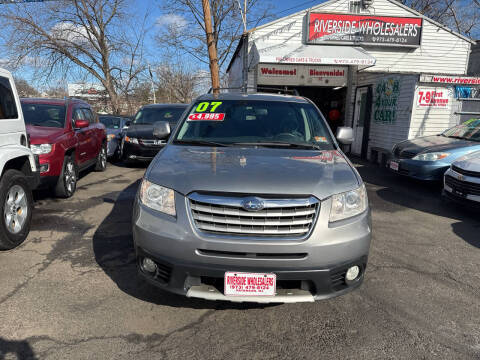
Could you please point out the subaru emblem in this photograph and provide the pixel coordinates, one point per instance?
(253, 204)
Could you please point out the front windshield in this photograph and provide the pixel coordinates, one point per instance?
(469, 130)
(110, 122)
(251, 122)
(44, 115)
(149, 116)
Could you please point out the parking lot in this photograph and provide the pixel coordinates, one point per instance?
(71, 291)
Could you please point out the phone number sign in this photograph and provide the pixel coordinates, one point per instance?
(437, 98)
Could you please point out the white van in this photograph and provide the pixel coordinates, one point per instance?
(18, 168)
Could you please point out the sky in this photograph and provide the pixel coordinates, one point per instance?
(281, 8)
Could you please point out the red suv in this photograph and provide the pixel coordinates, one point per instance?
(68, 138)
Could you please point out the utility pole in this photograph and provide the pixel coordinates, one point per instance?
(245, 45)
(153, 84)
(212, 49)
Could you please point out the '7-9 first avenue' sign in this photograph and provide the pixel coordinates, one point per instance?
(344, 29)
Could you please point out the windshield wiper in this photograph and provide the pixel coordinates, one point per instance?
(457, 137)
(200, 143)
(281, 144)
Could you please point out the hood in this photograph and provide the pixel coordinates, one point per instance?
(470, 162)
(42, 134)
(432, 144)
(253, 171)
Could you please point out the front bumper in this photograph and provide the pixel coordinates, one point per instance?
(462, 189)
(420, 170)
(140, 152)
(192, 263)
(112, 146)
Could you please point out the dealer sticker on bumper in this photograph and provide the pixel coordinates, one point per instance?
(250, 284)
(394, 165)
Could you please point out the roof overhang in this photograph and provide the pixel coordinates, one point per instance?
(290, 53)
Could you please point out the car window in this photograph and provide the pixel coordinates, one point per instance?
(78, 114)
(149, 116)
(469, 130)
(111, 122)
(89, 115)
(44, 115)
(8, 108)
(253, 121)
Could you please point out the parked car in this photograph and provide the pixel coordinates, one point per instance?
(252, 200)
(462, 180)
(427, 158)
(115, 126)
(139, 143)
(18, 168)
(67, 137)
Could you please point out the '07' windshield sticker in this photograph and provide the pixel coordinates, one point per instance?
(206, 117)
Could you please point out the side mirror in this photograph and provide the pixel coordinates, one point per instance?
(127, 124)
(81, 124)
(161, 129)
(345, 135)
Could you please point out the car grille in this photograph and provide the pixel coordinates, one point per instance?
(466, 172)
(153, 142)
(407, 155)
(462, 186)
(399, 154)
(278, 218)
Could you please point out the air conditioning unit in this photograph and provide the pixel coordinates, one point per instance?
(367, 3)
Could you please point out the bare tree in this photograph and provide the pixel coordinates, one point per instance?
(462, 16)
(25, 89)
(94, 37)
(177, 83)
(182, 27)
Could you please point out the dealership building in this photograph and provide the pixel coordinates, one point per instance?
(375, 65)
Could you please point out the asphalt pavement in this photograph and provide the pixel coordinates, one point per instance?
(71, 291)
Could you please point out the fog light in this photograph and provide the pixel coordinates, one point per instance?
(149, 265)
(352, 273)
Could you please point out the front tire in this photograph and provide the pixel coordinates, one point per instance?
(101, 164)
(67, 182)
(16, 203)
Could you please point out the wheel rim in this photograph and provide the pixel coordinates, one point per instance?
(103, 157)
(70, 177)
(15, 210)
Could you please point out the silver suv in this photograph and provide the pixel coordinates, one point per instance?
(252, 200)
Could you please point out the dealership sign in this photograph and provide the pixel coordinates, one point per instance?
(433, 97)
(302, 75)
(451, 80)
(328, 28)
(89, 91)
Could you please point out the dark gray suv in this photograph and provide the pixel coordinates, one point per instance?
(252, 200)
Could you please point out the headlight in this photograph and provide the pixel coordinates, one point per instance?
(349, 204)
(41, 149)
(131, 140)
(434, 156)
(110, 137)
(157, 197)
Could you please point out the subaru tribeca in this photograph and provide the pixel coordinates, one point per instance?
(252, 200)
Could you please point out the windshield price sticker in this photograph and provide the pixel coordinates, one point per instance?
(208, 106)
(249, 284)
(206, 117)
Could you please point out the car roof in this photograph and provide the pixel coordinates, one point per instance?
(254, 97)
(154, 106)
(52, 101)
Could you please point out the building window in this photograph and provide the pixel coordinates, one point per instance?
(355, 6)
